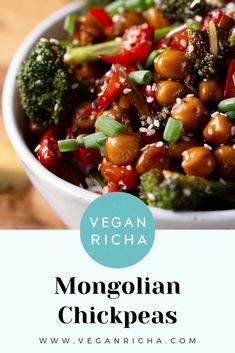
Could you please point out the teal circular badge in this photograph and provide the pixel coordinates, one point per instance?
(117, 230)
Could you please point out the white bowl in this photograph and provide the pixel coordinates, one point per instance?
(69, 201)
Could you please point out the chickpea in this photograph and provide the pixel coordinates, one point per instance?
(156, 19)
(198, 161)
(218, 130)
(114, 112)
(156, 156)
(225, 162)
(172, 64)
(36, 129)
(122, 149)
(87, 29)
(191, 112)
(131, 18)
(83, 124)
(168, 91)
(211, 91)
(176, 149)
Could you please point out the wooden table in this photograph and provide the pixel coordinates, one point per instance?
(24, 208)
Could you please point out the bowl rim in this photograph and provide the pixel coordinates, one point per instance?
(27, 157)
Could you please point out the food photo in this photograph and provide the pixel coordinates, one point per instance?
(133, 96)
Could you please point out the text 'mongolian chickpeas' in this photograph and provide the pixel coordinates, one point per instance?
(225, 162)
(211, 91)
(155, 156)
(198, 161)
(122, 149)
(171, 64)
(168, 91)
(191, 112)
(218, 130)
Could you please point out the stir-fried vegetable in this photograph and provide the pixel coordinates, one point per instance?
(157, 115)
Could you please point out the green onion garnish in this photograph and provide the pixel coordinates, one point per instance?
(69, 24)
(95, 140)
(131, 5)
(193, 25)
(231, 115)
(161, 32)
(142, 77)
(109, 126)
(68, 145)
(80, 140)
(173, 130)
(153, 56)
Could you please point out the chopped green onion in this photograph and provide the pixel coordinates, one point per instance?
(80, 140)
(153, 56)
(131, 5)
(78, 55)
(173, 130)
(95, 140)
(69, 24)
(68, 145)
(227, 105)
(142, 77)
(109, 126)
(231, 115)
(161, 32)
(193, 25)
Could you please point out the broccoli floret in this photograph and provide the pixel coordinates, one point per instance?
(182, 9)
(179, 192)
(46, 84)
(204, 63)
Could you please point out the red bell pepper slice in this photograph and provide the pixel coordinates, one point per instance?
(123, 177)
(112, 90)
(136, 46)
(102, 16)
(48, 153)
(214, 16)
(230, 86)
(89, 157)
(175, 39)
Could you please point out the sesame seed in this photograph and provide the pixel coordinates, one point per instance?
(56, 106)
(178, 100)
(54, 41)
(128, 167)
(150, 127)
(159, 144)
(207, 146)
(127, 91)
(151, 196)
(156, 123)
(143, 129)
(190, 95)
(150, 100)
(186, 138)
(233, 130)
(74, 85)
(149, 120)
(151, 132)
(214, 114)
(187, 192)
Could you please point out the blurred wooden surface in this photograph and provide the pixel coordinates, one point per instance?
(24, 209)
